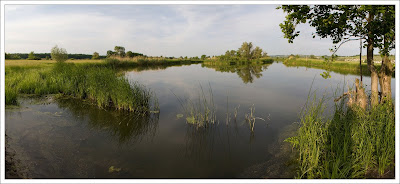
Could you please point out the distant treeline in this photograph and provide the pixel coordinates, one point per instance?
(47, 55)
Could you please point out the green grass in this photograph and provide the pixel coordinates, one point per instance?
(98, 83)
(336, 66)
(200, 112)
(353, 143)
(342, 67)
(141, 61)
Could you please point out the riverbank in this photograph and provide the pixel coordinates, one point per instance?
(342, 67)
(12, 168)
(97, 80)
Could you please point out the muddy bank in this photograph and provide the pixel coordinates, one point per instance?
(281, 164)
(11, 163)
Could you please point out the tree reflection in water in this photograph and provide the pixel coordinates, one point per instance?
(247, 71)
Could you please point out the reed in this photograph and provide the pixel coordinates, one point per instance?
(353, 143)
(200, 112)
(251, 118)
(100, 84)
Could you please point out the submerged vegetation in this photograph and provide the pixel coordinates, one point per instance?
(354, 143)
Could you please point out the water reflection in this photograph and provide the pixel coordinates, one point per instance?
(200, 142)
(247, 71)
(123, 126)
(83, 141)
(141, 68)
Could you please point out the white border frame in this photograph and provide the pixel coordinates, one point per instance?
(2, 99)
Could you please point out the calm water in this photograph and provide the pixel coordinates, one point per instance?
(68, 138)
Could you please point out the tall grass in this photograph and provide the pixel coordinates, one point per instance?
(99, 84)
(202, 111)
(116, 61)
(353, 143)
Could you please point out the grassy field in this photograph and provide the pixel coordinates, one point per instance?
(342, 67)
(377, 58)
(44, 63)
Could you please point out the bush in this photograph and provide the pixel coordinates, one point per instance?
(32, 56)
(96, 55)
(59, 54)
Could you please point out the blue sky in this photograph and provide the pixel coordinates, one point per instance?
(155, 30)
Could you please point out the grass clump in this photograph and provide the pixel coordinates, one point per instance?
(99, 84)
(200, 112)
(353, 143)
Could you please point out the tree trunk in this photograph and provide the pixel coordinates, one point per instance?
(361, 97)
(374, 87)
(370, 62)
(385, 77)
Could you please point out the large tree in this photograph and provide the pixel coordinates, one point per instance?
(342, 23)
(120, 51)
(245, 50)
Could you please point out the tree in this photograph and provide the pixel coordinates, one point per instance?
(12, 56)
(342, 23)
(32, 56)
(264, 54)
(245, 50)
(256, 53)
(110, 53)
(59, 54)
(95, 55)
(120, 51)
(203, 57)
(129, 54)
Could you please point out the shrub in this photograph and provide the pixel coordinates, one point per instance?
(59, 54)
(32, 56)
(96, 55)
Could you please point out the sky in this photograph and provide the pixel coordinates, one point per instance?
(157, 30)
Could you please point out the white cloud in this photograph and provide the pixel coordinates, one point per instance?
(170, 30)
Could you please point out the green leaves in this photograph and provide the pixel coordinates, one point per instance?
(326, 75)
(59, 54)
(341, 22)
